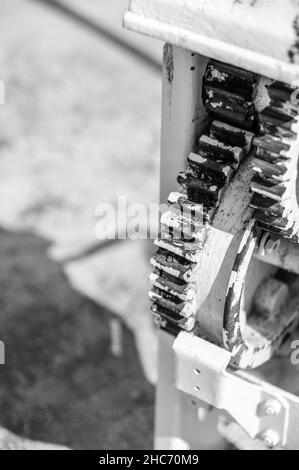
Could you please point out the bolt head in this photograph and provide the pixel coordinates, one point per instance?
(270, 439)
(272, 245)
(272, 408)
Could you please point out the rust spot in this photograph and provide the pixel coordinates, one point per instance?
(168, 61)
(252, 3)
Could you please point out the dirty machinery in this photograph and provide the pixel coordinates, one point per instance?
(225, 280)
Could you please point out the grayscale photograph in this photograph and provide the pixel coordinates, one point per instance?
(149, 229)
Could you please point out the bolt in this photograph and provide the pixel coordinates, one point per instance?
(272, 407)
(268, 244)
(272, 245)
(270, 438)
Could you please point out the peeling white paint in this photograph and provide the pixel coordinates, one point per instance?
(257, 37)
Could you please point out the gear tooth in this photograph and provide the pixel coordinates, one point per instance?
(163, 314)
(280, 93)
(278, 171)
(199, 190)
(286, 233)
(191, 179)
(176, 197)
(184, 216)
(273, 186)
(209, 169)
(172, 286)
(266, 181)
(229, 73)
(275, 163)
(213, 149)
(207, 179)
(278, 122)
(275, 192)
(230, 107)
(267, 204)
(188, 251)
(179, 204)
(230, 135)
(173, 265)
(181, 225)
(278, 117)
(231, 80)
(172, 303)
(270, 148)
(271, 219)
(229, 93)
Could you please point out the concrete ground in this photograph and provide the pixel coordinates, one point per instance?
(61, 382)
(80, 126)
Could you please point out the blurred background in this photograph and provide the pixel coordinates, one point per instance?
(81, 126)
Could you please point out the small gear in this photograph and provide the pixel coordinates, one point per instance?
(275, 162)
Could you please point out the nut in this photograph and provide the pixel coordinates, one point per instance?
(272, 245)
(270, 438)
(272, 407)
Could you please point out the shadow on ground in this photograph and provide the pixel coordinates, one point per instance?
(61, 383)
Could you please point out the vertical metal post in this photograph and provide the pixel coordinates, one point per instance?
(181, 421)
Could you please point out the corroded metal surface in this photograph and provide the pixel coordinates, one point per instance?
(184, 227)
(276, 150)
(252, 140)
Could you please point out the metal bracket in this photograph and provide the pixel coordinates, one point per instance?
(262, 410)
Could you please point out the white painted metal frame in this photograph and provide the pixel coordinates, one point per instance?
(258, 35)
(202, 372)
(182, 422)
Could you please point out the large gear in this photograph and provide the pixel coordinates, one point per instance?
(253, 120)
(210, 169)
